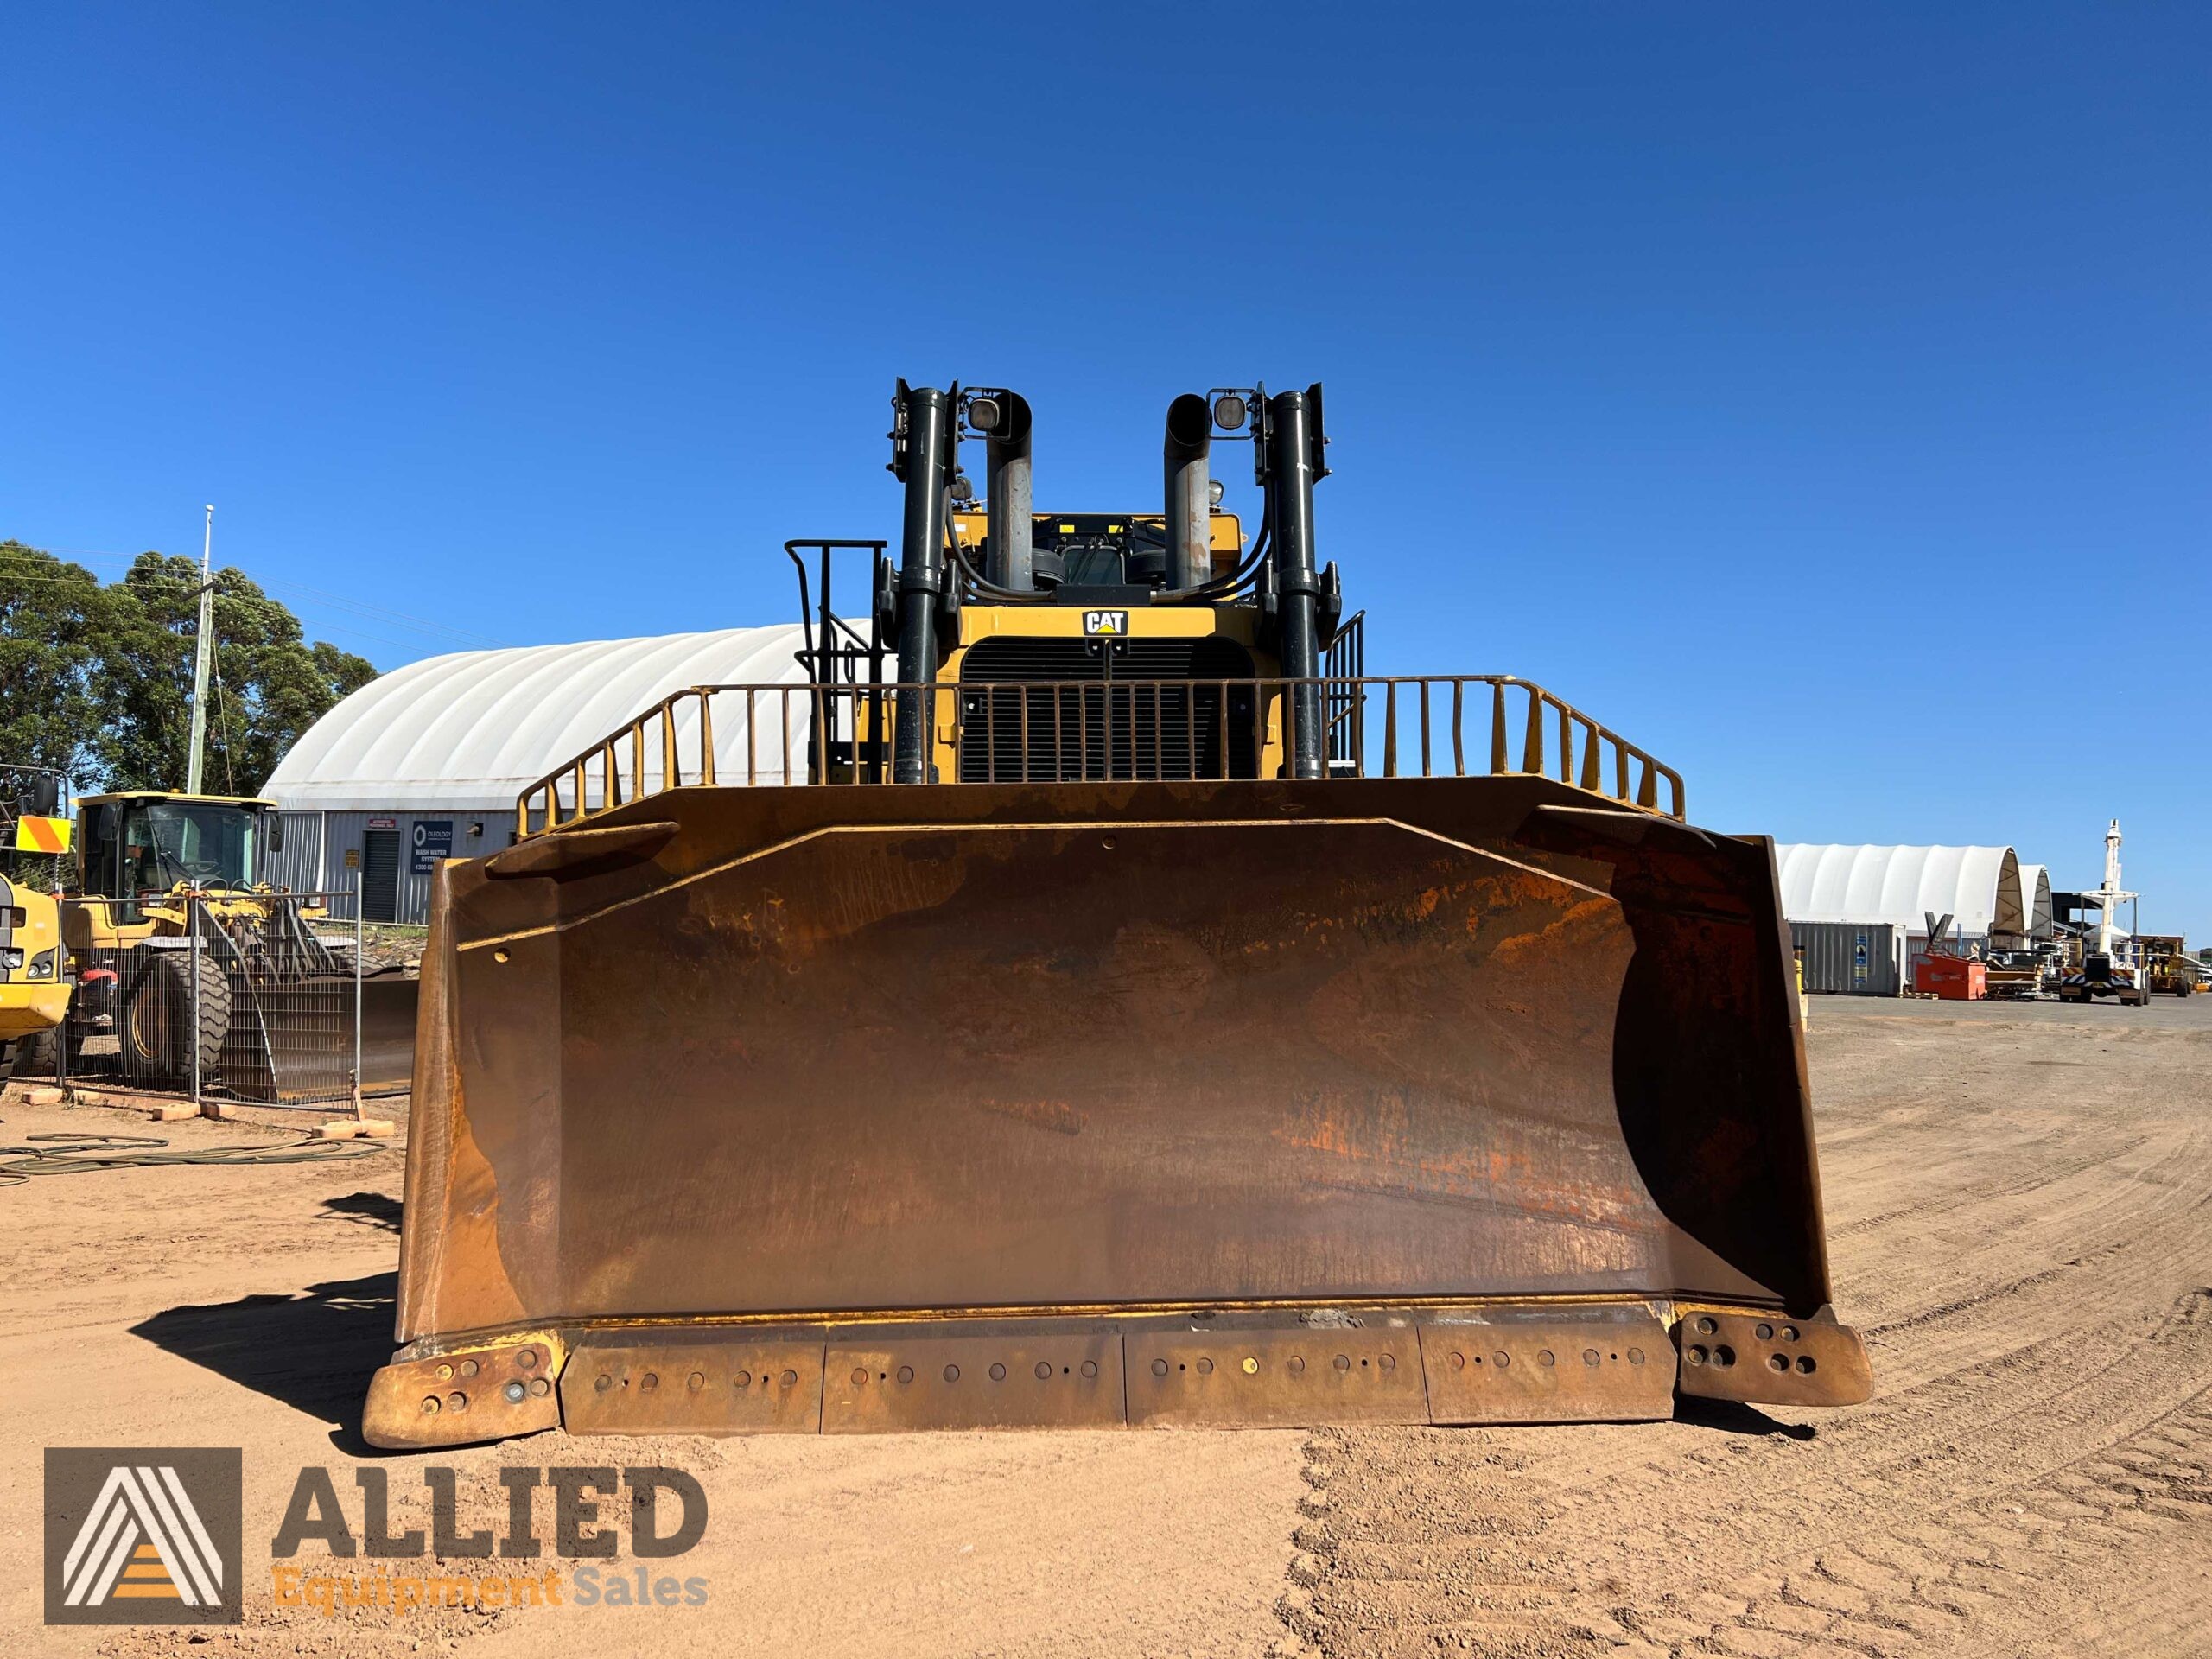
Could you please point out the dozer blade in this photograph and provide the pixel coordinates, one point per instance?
(824, 1110)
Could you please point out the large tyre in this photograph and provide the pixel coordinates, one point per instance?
(37, 1058)
(161, 1012)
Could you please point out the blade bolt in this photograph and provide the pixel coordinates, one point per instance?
(430, 1405)
(514, 1391)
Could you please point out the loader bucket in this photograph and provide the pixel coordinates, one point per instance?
(292, 1040)
(827, 1109)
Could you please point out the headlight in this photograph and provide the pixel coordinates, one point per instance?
(42, 965)
(11, 960)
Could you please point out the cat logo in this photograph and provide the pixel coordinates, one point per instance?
(1105, 625)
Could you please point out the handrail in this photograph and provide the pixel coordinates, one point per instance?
(1123, 730)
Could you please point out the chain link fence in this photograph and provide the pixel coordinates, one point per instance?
(256, 997)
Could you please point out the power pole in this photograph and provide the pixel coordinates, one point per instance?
(207, 644)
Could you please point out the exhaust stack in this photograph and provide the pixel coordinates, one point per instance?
(921, 453)
(1291, 454)
(1189, 502)
(1005, 496)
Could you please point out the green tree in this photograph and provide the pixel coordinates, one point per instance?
(268, 685)
(96, 680)
(53, 619)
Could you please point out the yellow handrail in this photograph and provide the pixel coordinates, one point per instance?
(1109, 739)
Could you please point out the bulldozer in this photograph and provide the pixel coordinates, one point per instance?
(188, 960)
(1089, 1000)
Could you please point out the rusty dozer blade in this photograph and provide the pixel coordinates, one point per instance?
(823, 1109)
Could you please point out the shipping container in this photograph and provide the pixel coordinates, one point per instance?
(1853, 958)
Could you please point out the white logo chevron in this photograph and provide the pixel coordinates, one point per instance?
(142, 1520)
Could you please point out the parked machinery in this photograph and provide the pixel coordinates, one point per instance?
(181, 951)
(1131, 1013)
(34, 971)
(2107, 965)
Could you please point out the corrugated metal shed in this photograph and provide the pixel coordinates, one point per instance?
(1977, 885)
(1853, 958)
(470, 731)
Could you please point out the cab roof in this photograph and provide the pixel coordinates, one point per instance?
(174, 795)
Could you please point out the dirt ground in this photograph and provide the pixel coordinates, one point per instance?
(2020, 1209)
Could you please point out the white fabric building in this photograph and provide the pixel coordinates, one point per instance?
(475, 729)
(426, 761)
(1979, 886)
(2035, 900)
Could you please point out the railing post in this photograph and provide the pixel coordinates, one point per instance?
(1425, 767)
(192, 923)
(1390, 728)
(361, 951)
(1498, 754)
(671, 759)
(1566, 745)
(1532, 740)
(707, 739)
(1458, 732)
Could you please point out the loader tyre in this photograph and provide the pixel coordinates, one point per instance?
(37, 1058)
(161, 1012)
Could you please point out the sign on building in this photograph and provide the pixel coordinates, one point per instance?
(433, 840)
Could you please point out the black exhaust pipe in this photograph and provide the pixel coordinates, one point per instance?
(1292, 453)
(921, 451)
(1190, 500)
(1006, 495)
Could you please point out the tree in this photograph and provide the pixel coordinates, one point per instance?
(105, 673)
(53, 617)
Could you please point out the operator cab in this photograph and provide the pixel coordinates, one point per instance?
(135, 846)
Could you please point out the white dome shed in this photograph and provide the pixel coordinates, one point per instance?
(1979, 886)
(473, 729)
(425, 762)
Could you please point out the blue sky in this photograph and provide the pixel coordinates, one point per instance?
(1819, 397)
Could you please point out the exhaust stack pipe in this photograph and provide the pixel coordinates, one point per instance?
(1190, 499)
(1291, 451)
(921, 456)
(1005, 497)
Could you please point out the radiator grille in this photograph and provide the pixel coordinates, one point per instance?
(1141, 709)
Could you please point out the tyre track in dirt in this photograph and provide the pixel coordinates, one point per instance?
(2029, 1254)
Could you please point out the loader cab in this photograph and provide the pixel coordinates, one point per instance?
(134, 846)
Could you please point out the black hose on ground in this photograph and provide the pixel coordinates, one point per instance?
(79, 1154)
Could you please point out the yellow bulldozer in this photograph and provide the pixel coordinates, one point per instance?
(188, 959)
(1090, 998)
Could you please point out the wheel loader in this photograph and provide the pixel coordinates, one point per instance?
(33, 969)
(182, 954)
(1092, 1000)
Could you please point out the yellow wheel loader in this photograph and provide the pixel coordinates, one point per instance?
(1089, 1000)
(33, 969)
(180, 952)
